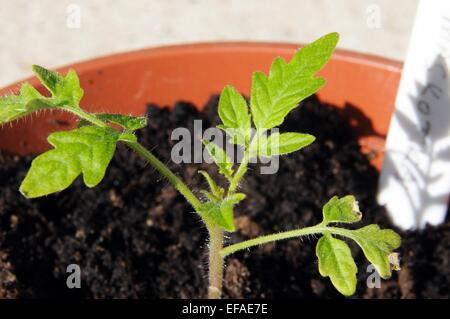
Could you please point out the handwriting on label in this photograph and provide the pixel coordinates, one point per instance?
(415, 179)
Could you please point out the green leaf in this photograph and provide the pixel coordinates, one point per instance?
(213, 211)
(49, 79)
(216, 190)
(86, 150)
(27, 101)
(210, 196)
(233, 112)
(127, 136)
(280, 144)
(129, 123)
(65, 90)
(341, 210)
(221, 158)
(235, 198)
(336, 262)
(377, 245)
(273, 97)
(226, 210)
(222, 212)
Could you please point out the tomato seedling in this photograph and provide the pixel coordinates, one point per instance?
(89, 148)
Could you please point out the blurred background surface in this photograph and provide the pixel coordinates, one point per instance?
(55, 33)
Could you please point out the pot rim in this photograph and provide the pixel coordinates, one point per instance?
(282, 48)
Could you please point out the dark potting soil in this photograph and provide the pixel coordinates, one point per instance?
(134, 236)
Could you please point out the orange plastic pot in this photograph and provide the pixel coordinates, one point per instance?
(363, 86)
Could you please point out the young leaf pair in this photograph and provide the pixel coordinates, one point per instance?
(335, 258)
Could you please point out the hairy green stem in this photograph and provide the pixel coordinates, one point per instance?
(242, 169)
(86, 116)
(317, 229)
(216, 262)
(239, 174)
(169, 175)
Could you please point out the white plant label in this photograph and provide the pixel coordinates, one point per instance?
(415, 179)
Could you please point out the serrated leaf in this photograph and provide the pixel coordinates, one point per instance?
(216, 190)
(27, 101)
(280, 144)
(87, 150)
(336, 262)
(222, 212)
(273, 97)
(220, 157)
(130, 123)
(65, 90)
(233, 112)
(48, 78)
(377, 244)
(341, 210)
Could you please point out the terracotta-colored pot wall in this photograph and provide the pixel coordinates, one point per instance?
(124, 83)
